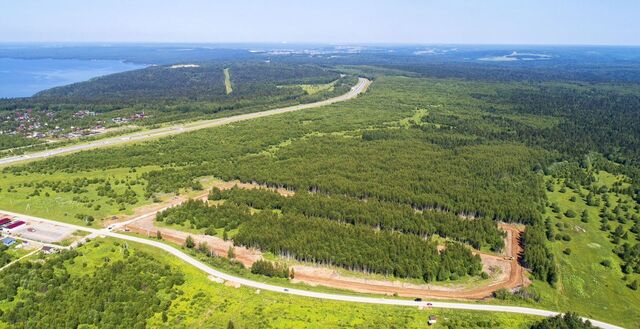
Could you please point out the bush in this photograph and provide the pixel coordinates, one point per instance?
(189, 243)
(584, 217)
(570, 213)
(567, 251)
(519, 294)
(265, 267)
(569, 320)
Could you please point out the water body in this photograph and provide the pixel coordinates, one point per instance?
(25, 77)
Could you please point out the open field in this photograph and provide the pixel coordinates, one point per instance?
(314, 89)
(74, 196)
(585, 284)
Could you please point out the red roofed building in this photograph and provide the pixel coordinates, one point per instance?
(5, 221)
(13, 226)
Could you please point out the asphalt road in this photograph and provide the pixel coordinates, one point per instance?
(360, 87)
(291, 291)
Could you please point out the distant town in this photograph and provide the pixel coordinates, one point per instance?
(53, 125)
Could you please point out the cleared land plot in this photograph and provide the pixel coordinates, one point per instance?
(43, 232)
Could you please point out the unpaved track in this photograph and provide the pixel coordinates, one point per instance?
(512, 274)
(305, 293)
(359, 88)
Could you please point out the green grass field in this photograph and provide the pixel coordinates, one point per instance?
(586, 286)
(16, 195)
(318, 88)
(206, 304)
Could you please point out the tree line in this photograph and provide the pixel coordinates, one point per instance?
(537, 256)
(356, 247)
(378, 214)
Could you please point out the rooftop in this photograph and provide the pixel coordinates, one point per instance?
(8, 241)
(15, 224)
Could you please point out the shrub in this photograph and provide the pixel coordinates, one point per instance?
(189, 243)
(265, 267)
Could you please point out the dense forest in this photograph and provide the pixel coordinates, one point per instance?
(590, 119)
(320, 240)
(377, 214)
(537, 255)
(200, 81)
(357, 247)
(120, 294)
(199, 215)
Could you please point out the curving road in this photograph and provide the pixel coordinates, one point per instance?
(360, 87)
(263, 286)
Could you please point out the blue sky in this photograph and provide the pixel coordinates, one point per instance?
(613, 22)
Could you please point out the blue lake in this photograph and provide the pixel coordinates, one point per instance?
(25, 77)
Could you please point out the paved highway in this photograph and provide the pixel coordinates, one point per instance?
(263, 286)
(360, 87)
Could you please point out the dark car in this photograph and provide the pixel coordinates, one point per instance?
(418, 300)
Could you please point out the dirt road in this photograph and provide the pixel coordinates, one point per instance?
(509, 274)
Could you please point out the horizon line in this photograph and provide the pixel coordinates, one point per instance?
(284, 43)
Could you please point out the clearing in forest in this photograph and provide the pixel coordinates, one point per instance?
(227, 81)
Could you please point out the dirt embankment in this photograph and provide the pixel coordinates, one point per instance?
(506, 271)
